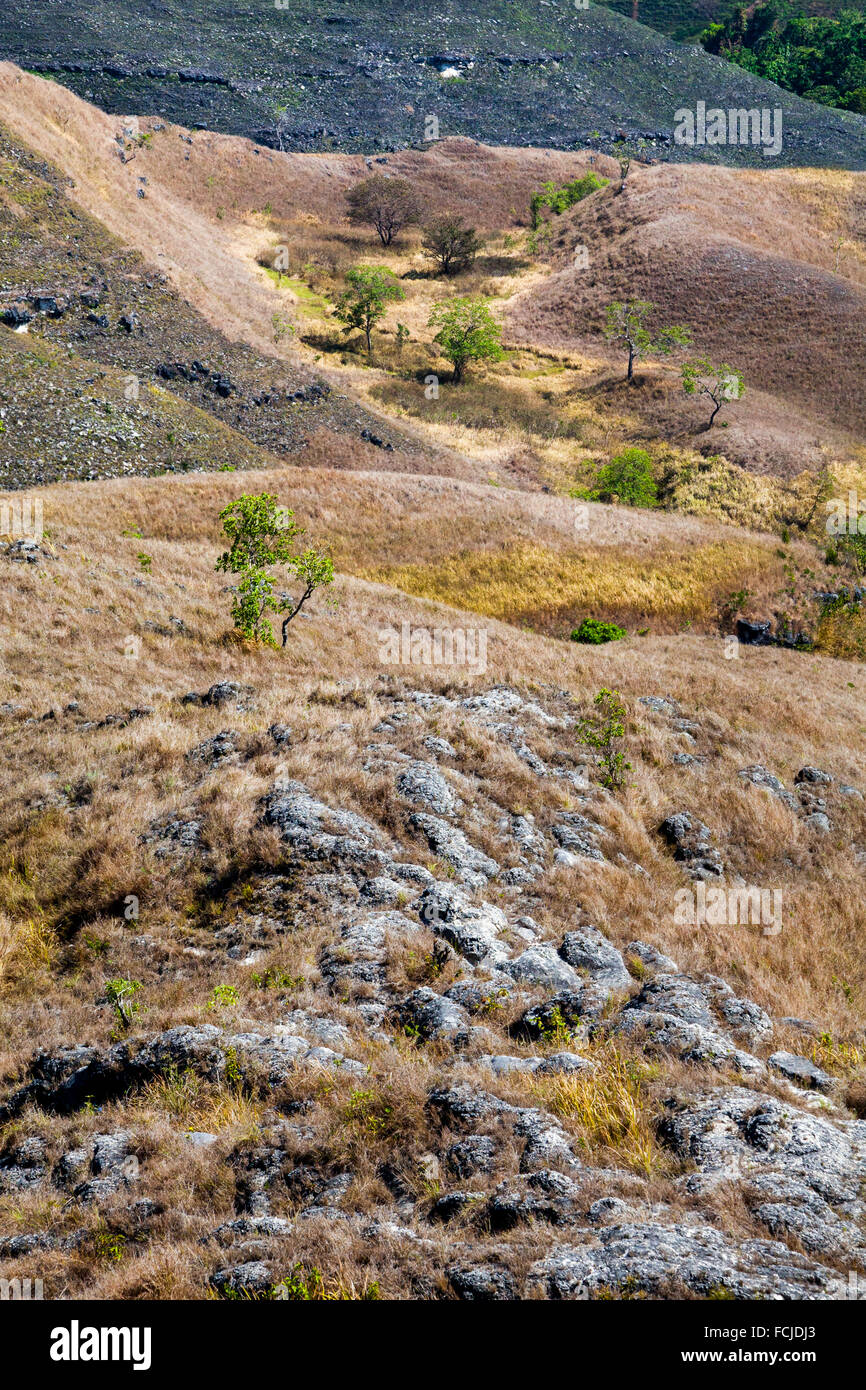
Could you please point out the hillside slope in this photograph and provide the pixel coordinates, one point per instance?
(359, 968)
(308, 80)
(410, 1000)
(751, 264)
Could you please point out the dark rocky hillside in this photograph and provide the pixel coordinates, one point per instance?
(116, 373)
(363, 76)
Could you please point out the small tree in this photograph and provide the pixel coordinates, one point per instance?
(468, 332)
(389, 205)
(314, 569)
(626, 323)
(369, 290)
(628, 479)
(720, 384)
(603, 733)
(261, 534)
(451, 244)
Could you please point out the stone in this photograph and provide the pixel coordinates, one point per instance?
(589, 952)
(451, 845)
(423, 785)
(690, 840)
(656, 1259)
(482, 1283)
(649, 957)
(760, 776)
(800, 1070)
(252, 1277)
(813, 775)
(432, 1015)
(735, 1133)
(544, 968)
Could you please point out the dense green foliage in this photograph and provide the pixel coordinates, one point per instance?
(468, 332)
(261, 535)
(558, 200)
(627, 479)
(595, 632)
(369, 290)
(819, 58)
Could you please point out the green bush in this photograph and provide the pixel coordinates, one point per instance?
(558, 200)
(627, 479)
(595, 632)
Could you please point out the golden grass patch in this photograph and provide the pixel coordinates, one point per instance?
(527, 584)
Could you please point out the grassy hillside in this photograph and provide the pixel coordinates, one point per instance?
(352, 971)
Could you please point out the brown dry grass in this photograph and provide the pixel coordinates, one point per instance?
(429, 550)
(752, 276)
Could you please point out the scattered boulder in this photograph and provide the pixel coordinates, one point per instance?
(423, 785)
(433, 1015)
(657, 1259)
(690, 840)
(800, 1070)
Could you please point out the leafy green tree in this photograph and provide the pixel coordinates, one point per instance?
(628, 479)
(626, 324)
(369, 290)
(261, 536)
(388, 204)
(451, 244)
(557, 199)
(604, 733)
(468, 332)
(719, 384)
(822, 59)
(315, 570)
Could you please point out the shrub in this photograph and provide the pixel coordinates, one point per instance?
(628, 479)
(595, 632)
(558, 200)
(121, 996)
(604, 733)
(383, 203)
(452, 245)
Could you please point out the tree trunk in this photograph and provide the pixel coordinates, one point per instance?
(294, 613)
(630, 363)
